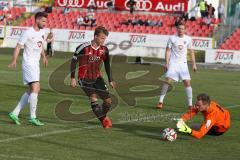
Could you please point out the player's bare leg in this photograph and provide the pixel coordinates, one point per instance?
(163, 93)
(188, 90)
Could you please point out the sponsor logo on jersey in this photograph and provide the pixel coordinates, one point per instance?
(180, 47)
(39, 43)
(93, 58)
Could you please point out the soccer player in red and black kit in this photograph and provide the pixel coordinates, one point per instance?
(90, 56)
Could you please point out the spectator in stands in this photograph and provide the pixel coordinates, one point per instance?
(207, 20)
(50, 39)
(203, 8)
(135, 20)
(2, 17)
(66, 10)
(86, 21)
(131, 4)
(211, 11)
(185, 16)
(110, 5)
(92, 19)
(152, 23)
(80, 20)
(221, 10)
(141, 22)
(159, 23)
(48, 9)
(207, 7)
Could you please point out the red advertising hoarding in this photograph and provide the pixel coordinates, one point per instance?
(99, 4)
(122, 5)
(154, 5)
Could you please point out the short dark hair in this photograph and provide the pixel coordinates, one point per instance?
(180, 23)
(204, 97)
(101, 29)
(40, 15)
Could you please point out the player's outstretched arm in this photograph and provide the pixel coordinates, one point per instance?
(16, 52)
(194, 66)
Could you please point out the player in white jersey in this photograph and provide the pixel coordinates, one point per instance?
(32, 39)
(176, 63)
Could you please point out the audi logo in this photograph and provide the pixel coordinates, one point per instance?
(141, 5)
(70, 3)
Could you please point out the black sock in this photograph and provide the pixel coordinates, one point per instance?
(98, 110)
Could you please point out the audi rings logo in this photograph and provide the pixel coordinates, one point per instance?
(70, 3)
(140, 5)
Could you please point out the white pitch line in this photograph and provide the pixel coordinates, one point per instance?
(87, 127)
(47, 133)
(233, 106)
(77, 129)
(20, 157)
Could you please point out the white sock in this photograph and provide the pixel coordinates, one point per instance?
(163, 92)
(21, 104)
(188, 91)
(33, 99)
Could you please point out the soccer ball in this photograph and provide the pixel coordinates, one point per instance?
(169, 134)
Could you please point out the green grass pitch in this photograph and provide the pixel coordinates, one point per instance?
(137, 124)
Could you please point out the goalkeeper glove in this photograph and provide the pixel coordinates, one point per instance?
(182, 127)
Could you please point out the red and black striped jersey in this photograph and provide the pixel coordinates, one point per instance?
(90, 60)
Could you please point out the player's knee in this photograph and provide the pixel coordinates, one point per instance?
(187, 84)
(35, 87)
(107, 102)
(93, 98)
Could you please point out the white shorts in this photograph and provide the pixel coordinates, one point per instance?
(31, 73)
(178, 71)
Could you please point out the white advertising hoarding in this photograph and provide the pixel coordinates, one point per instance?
(67, 40)
(222, 56)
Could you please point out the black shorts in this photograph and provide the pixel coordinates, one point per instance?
(97, 86)
(49, 49)
(213, 132)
